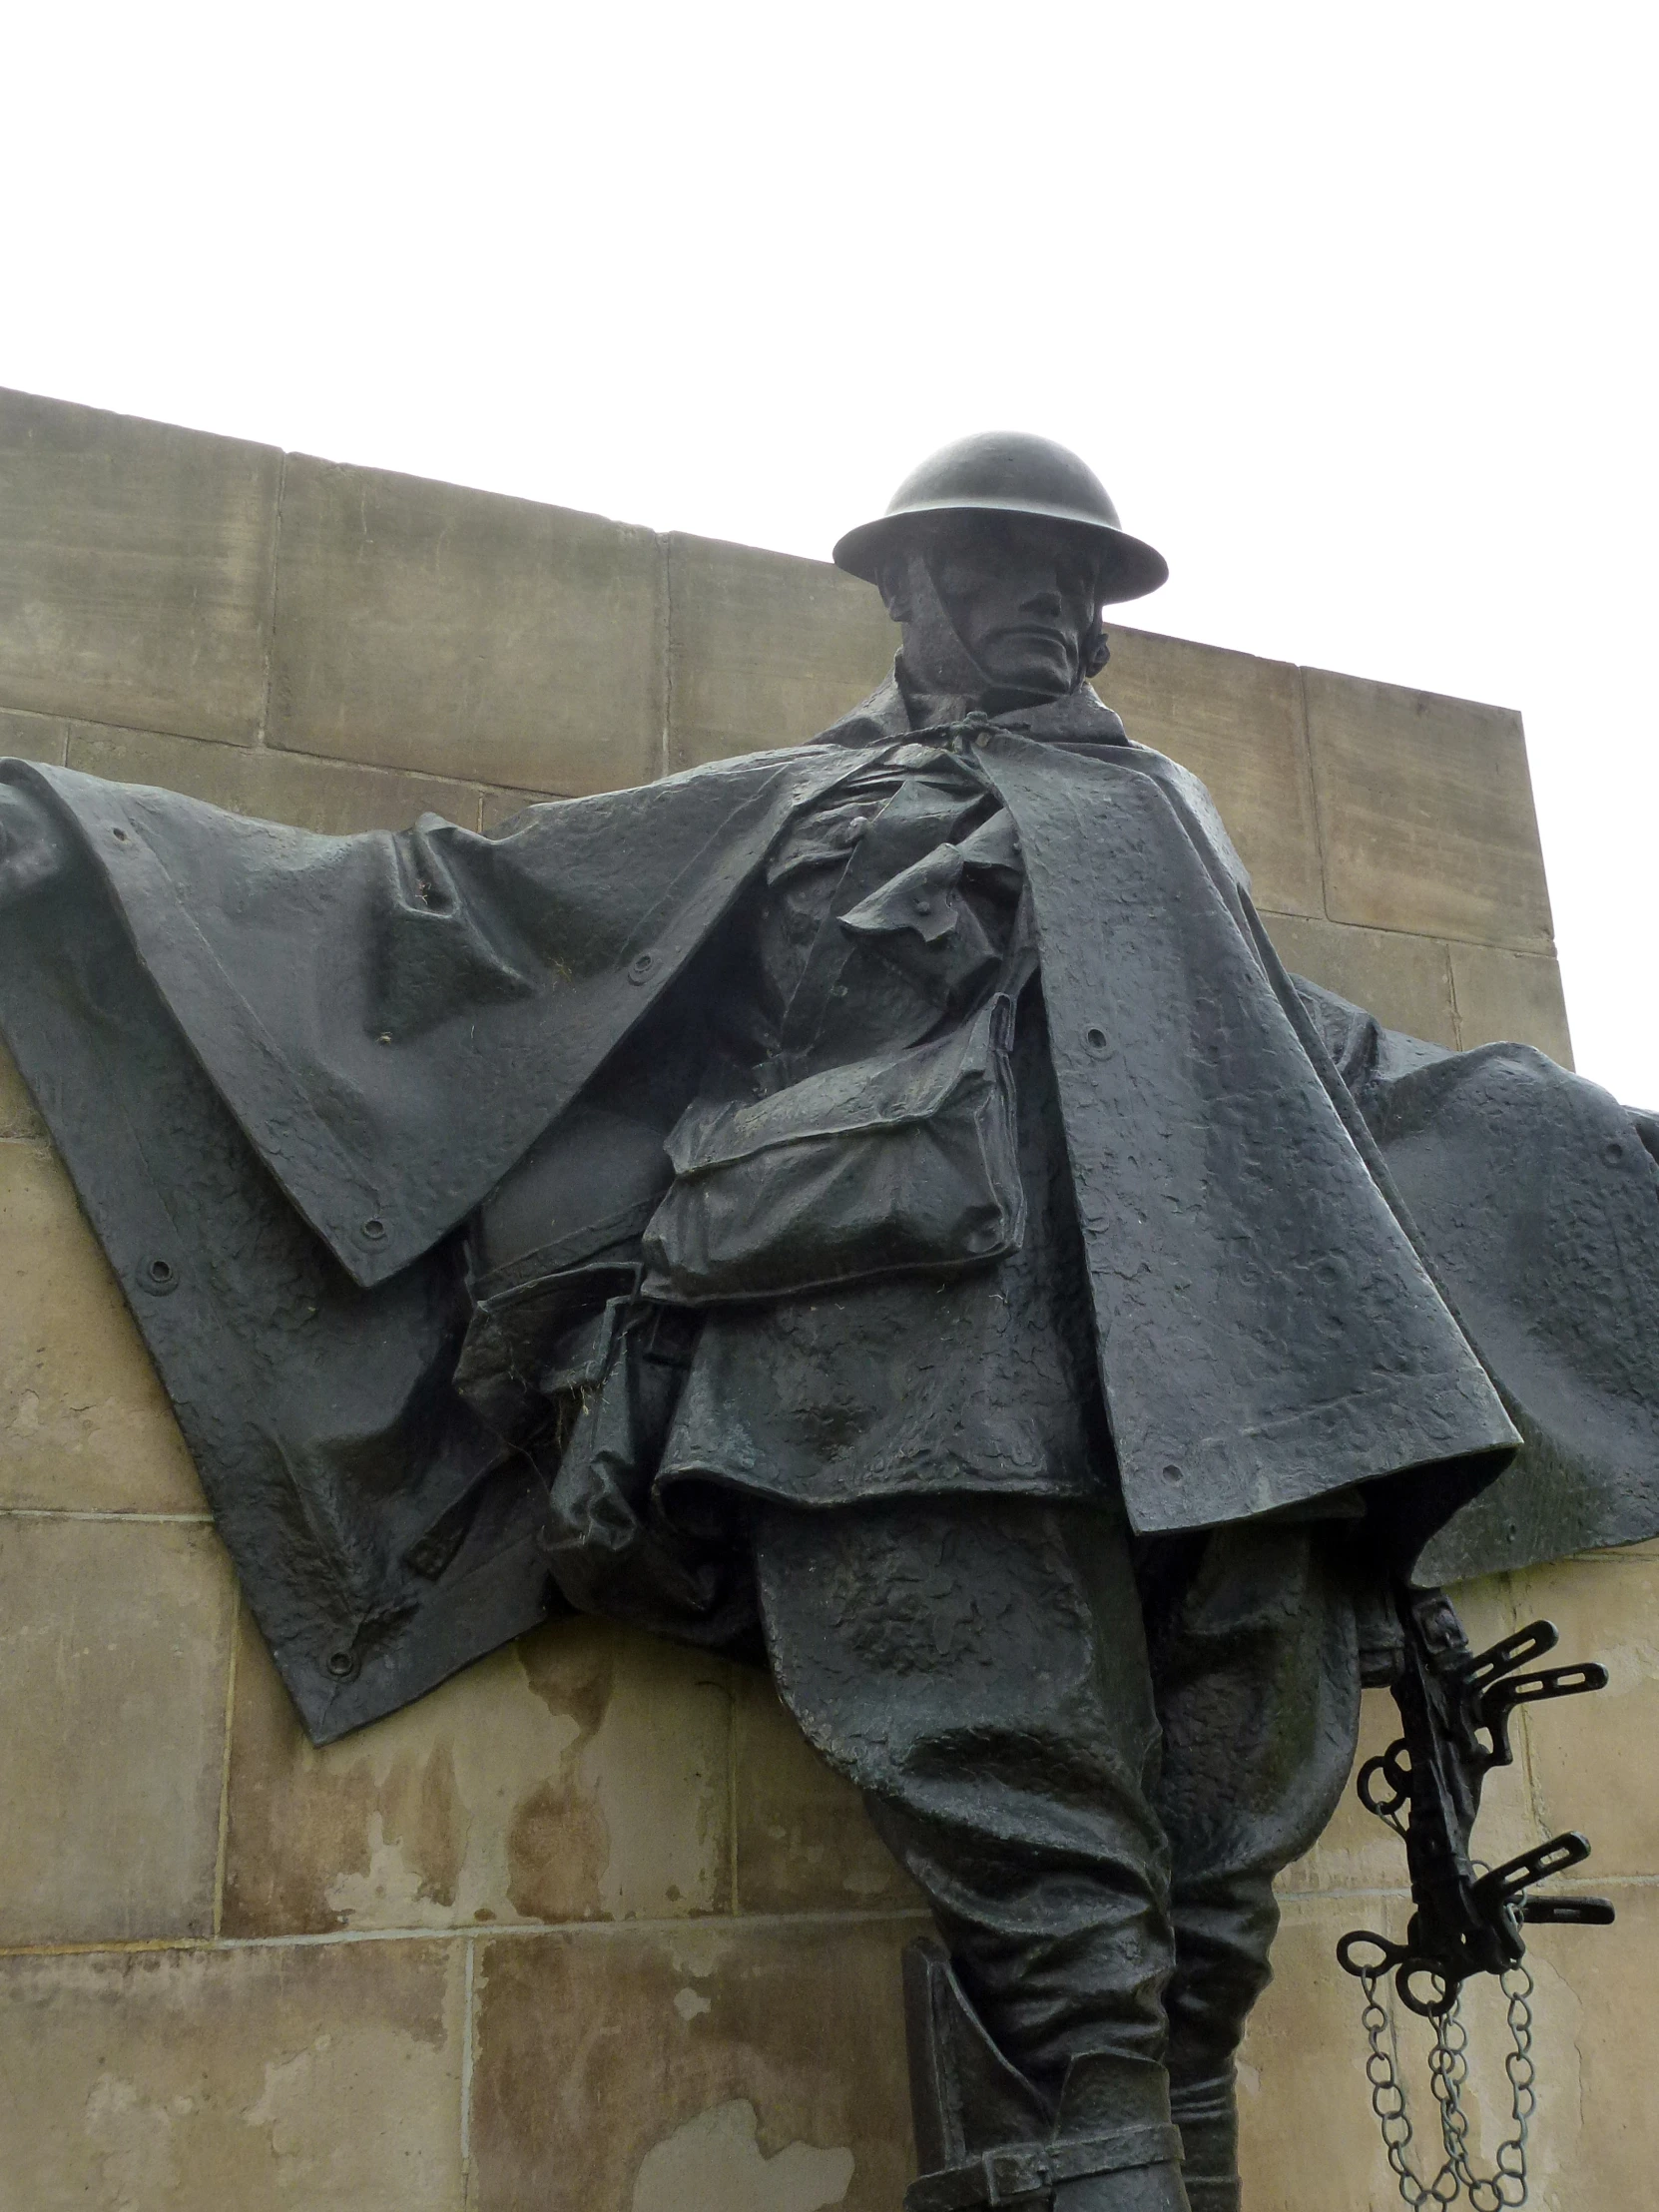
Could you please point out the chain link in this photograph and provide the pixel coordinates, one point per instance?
(1504, 2188)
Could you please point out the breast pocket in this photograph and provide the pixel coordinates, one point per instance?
(899, 1164)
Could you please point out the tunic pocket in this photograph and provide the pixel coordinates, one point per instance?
(899, 1164)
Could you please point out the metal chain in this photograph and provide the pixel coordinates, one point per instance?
(1504, 2188)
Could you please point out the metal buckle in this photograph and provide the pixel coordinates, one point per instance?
(1016, 2173)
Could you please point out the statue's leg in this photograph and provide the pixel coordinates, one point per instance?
(1256, 1673)
(978, 1668)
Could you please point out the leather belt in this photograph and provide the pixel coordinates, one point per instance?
(1015, 2173)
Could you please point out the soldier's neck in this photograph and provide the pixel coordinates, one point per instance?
(929, 702)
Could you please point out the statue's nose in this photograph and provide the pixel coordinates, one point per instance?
(1044, 595)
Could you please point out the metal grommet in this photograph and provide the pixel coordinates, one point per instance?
(373, 1228)
(342, 1664)
(640, 966)
(159, 1277)
(1095, 1039)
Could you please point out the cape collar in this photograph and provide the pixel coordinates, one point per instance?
(1079, 722)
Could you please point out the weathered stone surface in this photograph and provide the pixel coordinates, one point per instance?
(1510, 994)
(1237, 722)
(1425, 811)
(331, 796)
(28, 738)
(18, 1115)
(763, 648)
(717, 2068)
(1307, 2138)
(1594, 2005)
(325, 2079)
(421, 626)
(803, 1839)
(499, 806)
(114, 1643)
(1404, 981)
(33, 737)
(84, 1422)
(1591, 1759)
(135, 569)
(582, 1773)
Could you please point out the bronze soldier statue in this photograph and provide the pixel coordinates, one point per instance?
(879, 1208)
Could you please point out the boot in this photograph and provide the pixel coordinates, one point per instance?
(1135, 2169)
(1207, 2114)
(986, 2138)
(1155, 2188)
(965, 2098)
(1124, 2104)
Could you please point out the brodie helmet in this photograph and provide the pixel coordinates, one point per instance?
(1012, 473)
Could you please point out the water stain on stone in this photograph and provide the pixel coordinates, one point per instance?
(557, 1847)
(429, 1823)
(572, 1670)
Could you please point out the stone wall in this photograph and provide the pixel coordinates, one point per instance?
(588, 1928)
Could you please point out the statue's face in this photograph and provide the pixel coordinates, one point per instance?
(1020, 596)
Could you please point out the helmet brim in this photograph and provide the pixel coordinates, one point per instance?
(1129, 569)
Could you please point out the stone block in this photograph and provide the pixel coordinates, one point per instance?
(763, 648)
(1404, 981)
(579, 1775)
(714, 2068)
(499, 806)
(135, 570)
(1237, 722)
(114, 1643)
(332, 796)
(455, 633)
(1595, 2135)
(324, 2080)
(28, 738)
(1510, 994)
(33, 737)
(1307, 2139)
(85, 1424)
(803, 1839)
(1425, 811)
(19, 1116)
(1591, 1761)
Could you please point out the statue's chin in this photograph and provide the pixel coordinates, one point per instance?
(1029, 680)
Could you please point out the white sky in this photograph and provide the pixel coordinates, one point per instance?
(1351, 307)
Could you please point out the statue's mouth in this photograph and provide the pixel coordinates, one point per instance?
(1029, 635)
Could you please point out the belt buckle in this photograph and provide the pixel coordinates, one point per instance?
(1016, 2173)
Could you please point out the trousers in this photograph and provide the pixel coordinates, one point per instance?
(1093, 1754)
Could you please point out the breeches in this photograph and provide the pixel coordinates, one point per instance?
(1093, 1754)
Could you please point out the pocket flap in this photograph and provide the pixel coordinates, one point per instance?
(884, 1092)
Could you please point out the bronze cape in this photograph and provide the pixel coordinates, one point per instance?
(358, 1120)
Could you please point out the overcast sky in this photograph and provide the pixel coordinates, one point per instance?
(1351, 307)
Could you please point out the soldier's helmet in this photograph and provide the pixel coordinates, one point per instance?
(1008, 473)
